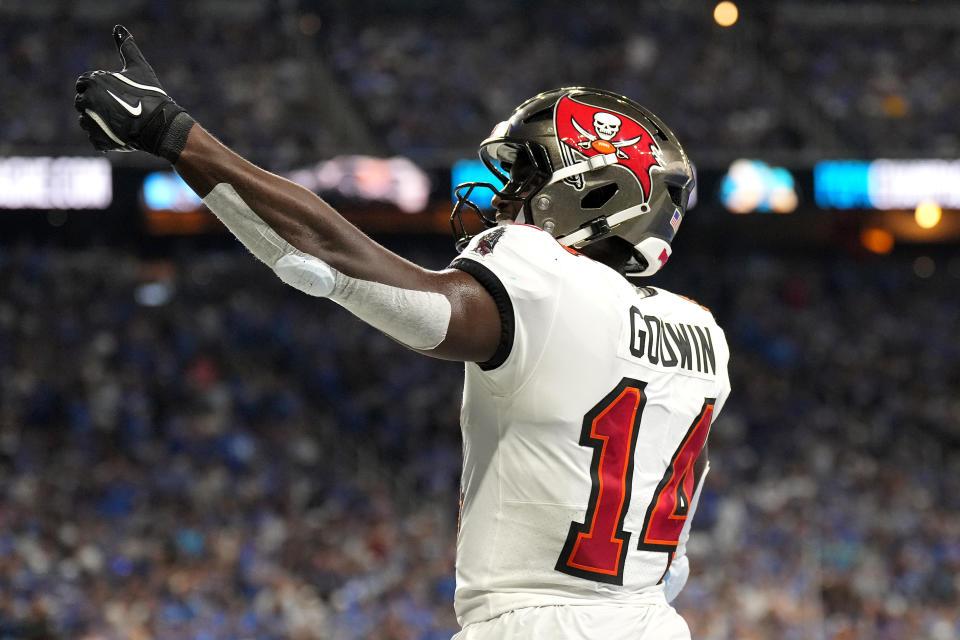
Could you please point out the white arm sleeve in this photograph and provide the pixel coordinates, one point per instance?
(418, 319)
(298, 269)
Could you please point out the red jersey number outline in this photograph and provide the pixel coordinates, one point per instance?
(596, 549)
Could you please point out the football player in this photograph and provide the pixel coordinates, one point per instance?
(588, 397)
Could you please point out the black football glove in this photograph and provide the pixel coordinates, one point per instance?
(128, 110)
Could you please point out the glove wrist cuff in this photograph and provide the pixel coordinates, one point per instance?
(175, 137)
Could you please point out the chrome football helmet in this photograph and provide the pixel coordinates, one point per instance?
(602, 167)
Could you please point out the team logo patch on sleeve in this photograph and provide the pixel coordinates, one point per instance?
(488, 241)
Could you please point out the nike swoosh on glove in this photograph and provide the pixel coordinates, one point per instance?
(129, 110)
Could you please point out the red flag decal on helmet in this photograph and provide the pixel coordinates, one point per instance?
(588, 131)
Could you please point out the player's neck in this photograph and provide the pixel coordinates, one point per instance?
(612, 252)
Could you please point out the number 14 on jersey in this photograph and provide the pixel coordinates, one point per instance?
(596, 549)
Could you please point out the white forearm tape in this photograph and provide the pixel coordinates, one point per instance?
(418, 319)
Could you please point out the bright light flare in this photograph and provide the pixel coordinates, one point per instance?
(928, 215)
(877, 240)
(726, 13)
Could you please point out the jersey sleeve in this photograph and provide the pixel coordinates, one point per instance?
(516, 265)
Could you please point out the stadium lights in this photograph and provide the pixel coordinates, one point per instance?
(471, 171)
(726, 13)
(55, 183)
(877, 240)
(886, 184)
(396, 180)
(928, 215)
(753, 185)
(166, 191)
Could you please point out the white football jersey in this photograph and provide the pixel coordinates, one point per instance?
(580, 434)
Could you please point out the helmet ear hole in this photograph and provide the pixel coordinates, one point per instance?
(676, 195)
(596, 198)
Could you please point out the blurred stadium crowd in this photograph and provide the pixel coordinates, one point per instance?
(428, 79)
(189, 449)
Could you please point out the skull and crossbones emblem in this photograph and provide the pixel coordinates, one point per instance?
(607, 126)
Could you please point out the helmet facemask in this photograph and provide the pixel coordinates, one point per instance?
(522, 169)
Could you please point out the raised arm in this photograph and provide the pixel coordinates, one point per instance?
(445, 314)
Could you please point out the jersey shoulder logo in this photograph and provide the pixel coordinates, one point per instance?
(584, 131)
(489, 240)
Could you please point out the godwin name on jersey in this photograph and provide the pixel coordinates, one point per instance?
(580, 434)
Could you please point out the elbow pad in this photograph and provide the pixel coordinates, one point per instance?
(418, 319)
